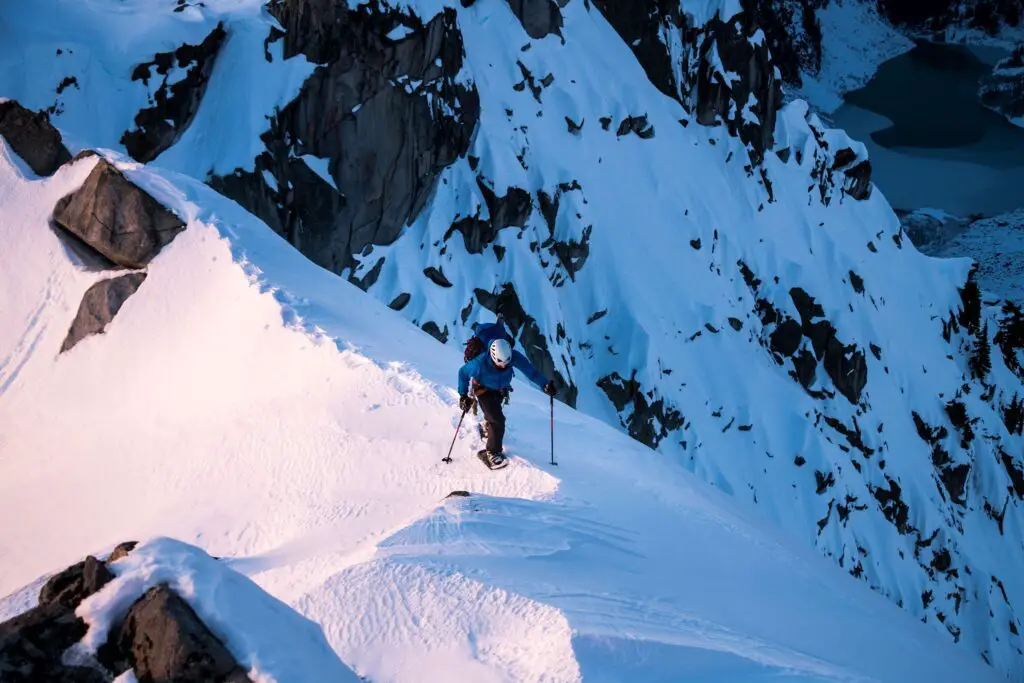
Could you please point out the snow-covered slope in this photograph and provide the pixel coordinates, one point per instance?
(252, 403)
(716, 291)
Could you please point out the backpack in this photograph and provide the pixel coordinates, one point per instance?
(485, 334)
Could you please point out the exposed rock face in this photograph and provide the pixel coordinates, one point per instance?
(1003, 91)
(748, 84)
(511, 210)
(164, 640)
(808, 342)
(116, 218)
(175, 101)
(856, 175)
(32, 644)
(744, 97)
(385, 114)
(33, 138)
(539, 17)
(99, 305)
(75, 583)
(834, 168)
(794, 35)
(646, 421)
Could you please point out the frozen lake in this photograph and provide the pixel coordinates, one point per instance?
(931, 142)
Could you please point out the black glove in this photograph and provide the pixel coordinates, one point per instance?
(549, 389)
(465, 403)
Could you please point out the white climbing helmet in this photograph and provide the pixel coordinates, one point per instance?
(501, 352)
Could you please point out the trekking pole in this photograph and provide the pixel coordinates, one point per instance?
(448, 458)
(553, 430)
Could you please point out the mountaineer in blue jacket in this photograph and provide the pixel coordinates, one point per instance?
(491, 374)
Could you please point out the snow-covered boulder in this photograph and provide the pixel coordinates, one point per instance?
(161, 611)
(32, 137)
(163, 639)
(116, 218)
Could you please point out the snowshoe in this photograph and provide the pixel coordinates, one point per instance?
(494, 461)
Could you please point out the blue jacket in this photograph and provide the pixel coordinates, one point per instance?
(488, 332)
(485, 372)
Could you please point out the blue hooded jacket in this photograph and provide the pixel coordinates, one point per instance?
(488, 332)
(485, 372)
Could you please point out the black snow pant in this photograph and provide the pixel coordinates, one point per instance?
(490, 402)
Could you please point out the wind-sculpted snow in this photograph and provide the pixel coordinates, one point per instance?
(744, 302)
(251, 403)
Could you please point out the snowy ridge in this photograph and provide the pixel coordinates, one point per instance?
(299, 426)
(755, 323)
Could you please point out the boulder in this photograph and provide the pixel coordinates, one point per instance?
(99, 305)
(116, 218)
(122, 550)
(74, 584)
(166, 642)
(32, 645)
(33, 138)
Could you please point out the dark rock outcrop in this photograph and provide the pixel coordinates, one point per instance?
(385, 113)
(33, 138)
(647, 421)
(749, 73)
(74, 584)
(164, 640)
(640, 25)
(636, 124)
(745, 96)
(846, 365)
(538, 17)
(116, 218)
(174, 105)
(99, 305)
(32, 644)
(511, 210)
(856, 175)
(122, 550)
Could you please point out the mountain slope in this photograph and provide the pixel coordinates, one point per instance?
(272, 413)
(712, 274)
